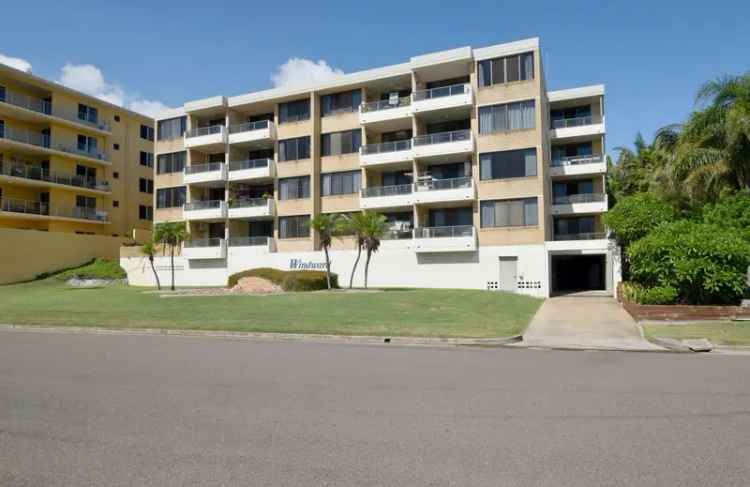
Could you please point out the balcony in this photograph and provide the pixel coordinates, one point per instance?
(580, 236)
(39, 209)
(400, 239)
(579, 203)
(45, 144)
(205, 210)
(387, 196)
(205, 248)
(461, 238)
(252, 208)
(577, 127)
(444, 190)
(251, 169)
(36, 176)
(385, 110)
(385, 153)
(45, 108)
(212, 172)
(443, 98)
(209, 138)
(252, 132)
(443, 144)
(578, 165)
(256, 244)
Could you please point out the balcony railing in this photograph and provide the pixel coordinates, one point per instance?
(375, 191)
(84, 213)
(39, 208)
(87, 152)
(576, 160)
(581, 236)
(248, 202)
(36, 173)
(248, 241)
(443, 137)
(444, 232)
(375, 106)
(201, 131)
(440, 184)
(440, 92)
(579, 198)
(203, 205)
(247, 127)
(25, 136)
(572, 122)
(397, 235)
(201, 168)
(248, 164)
(203, 242)
(46, 107)
(383, 147)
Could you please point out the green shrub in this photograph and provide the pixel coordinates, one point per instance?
(288, 280)
(705, 263)
(97, 269)
(732, 210)
(635, 216)
(649, 295)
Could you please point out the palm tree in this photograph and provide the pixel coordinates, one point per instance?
(353, 224)
(374, 227)
(149, 250)
(326, 226)
(171, 234)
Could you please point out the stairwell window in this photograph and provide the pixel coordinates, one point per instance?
(169, 163)
(509, 213)
(294, 149)
(294, 111)
(294, 226)
(334, 183)
(338, 143)
(508, 164)
(347, 101)
(506, 117)
(506, 69)
(294, 188)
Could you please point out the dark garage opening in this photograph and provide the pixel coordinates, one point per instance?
(578, 273)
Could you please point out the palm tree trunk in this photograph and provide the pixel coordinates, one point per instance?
(328, 268)
(354, 269)
(172, 265)
(367, 265)
(156, 275)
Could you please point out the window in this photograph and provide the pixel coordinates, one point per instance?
(506, 69)
(347, 101)
(85, 201)
(115, 204)
(146, 185)
(294, 188)
(293, 149)
(294, 111)
(86, 144)
(507, 164)
(172, 162)
(576, 225)
(115, 175)
(337, 143)
(147, 159)
(294, 226)
(86, 172)
(117, 118)
(510, 116)
(116, 146)
(145, 212)
(340, 183)
(171, 128)
(170, 197)
(87, 113)
(147, 133)
(509, 213)
(2, 93)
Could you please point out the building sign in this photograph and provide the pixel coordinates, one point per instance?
(302, 265)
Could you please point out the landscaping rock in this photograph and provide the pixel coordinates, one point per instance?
(698, 345)
(84, 283)
(256, 285)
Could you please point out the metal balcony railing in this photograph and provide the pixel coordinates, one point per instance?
(82, 151)
(374, 106)
(396, 190)
(572, 122)
(398, 235)
(24, 206)
(249, 126)
(84, 213)
(36, 173)
(46, 107)
(440, 92)
(576, 160)
(579, 198)
(200, 131)
(248, 241)
(25, 136)
(248, 202)
(203, 205)
(205, 167)
(440, 184)
(581, 236)
(203, 242)
(444, 232)
(249, 164)
(384, 147)
(443, 137)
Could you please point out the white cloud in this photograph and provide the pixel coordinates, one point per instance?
(16, 62)
(148, 107)
(299, 72)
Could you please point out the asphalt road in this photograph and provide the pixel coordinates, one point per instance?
(86, 410)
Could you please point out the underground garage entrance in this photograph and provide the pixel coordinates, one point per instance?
(571, 273)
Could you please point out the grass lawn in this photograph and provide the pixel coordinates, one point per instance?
(719, 332)
(419, 312)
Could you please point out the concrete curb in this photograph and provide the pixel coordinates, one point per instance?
(671, 344)
(281, 337)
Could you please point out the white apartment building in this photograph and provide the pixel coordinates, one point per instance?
(489, 180)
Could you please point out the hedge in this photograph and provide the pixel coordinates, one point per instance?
(288, 280)
(636, 293)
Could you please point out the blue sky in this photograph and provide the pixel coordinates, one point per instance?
(652, 55)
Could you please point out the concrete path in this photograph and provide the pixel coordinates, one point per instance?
(585, 322)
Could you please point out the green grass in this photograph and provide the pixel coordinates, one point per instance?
(719, 332)
(417, 312)
(96, 269)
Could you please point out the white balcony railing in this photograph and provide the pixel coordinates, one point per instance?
(386, 147)
(43, 209)
(251, 208)
(205, 248)
(444, 97)
(443, 137)
(579, 203)
(562, 123)
(248, 241)
(205, 173)
(45, 107)
(379, 191)
(580, 236)
(443, 144)
(375, 106)
(444, 190)
(459, 238)
(443, 91)
(203, 168)
(577, 160)
(385, 153)
(205, 210)
(387, 196)
(37, 173)
(579, 198)
(251, 169)
(202, 131)
(249, 126)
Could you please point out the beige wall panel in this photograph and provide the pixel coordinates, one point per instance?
(344, 162)
(294, 207)
(339, 122)
(339, 203)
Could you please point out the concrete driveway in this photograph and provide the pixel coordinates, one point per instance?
(586, 322)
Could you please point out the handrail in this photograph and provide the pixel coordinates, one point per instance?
(85, 213)
(248, 126)
(249, 164)
(38, 208)
(443, 137)
(374, 191)
(397, 235)
(458, 89)
(202, 242)
(200, 131)
(203, 167)
(575, 160)
(581, 236)
(440, 184)
(248, 241)
(248, 202)
(203, 205)
(579, 198)
(444, 232)
(572, 122)
(26, 171)
(373, 106)
(25, 136)
(46, 107)
(102, 156)
(382, 147)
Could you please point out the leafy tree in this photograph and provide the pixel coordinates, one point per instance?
(326, 225)
(634, 216)
(732, 210)
(374, 226)
(171, 235)
(354, 224)
(149, 250)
